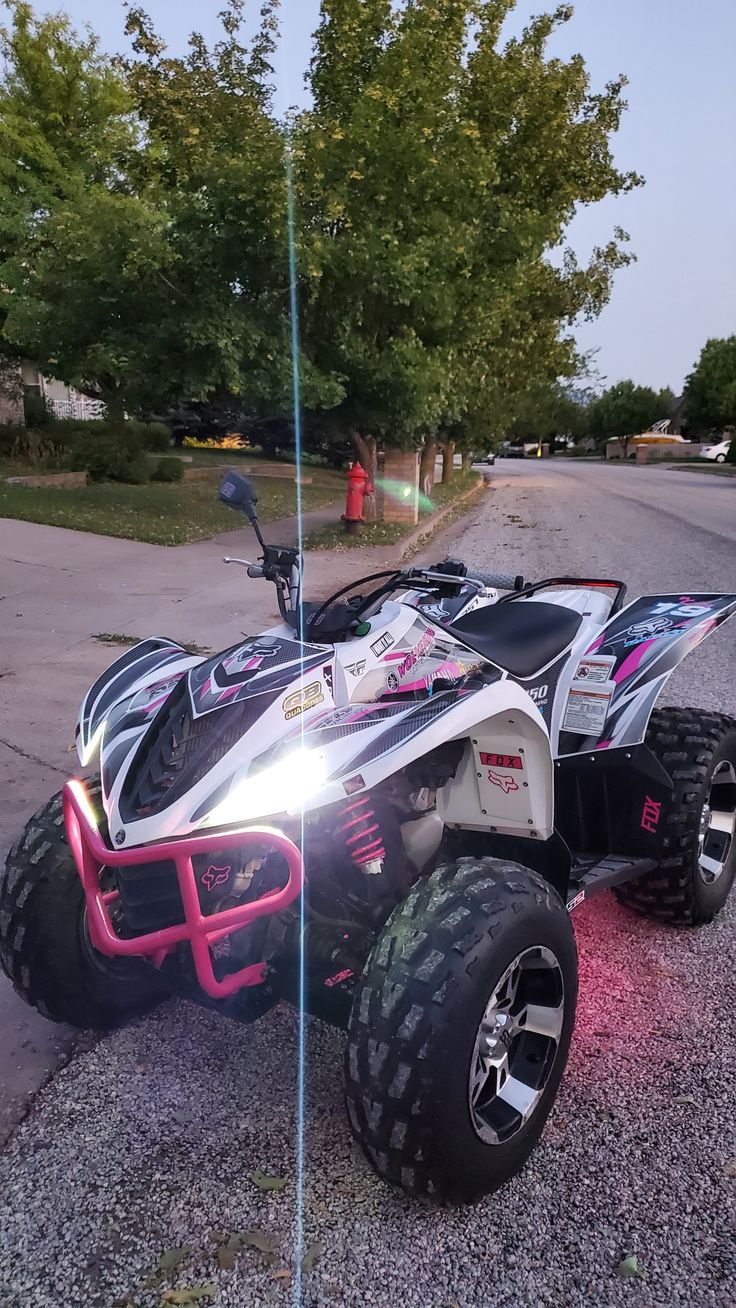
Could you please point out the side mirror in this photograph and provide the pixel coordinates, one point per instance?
(237, 492)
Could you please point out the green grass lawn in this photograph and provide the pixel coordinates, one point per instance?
(160, 514)
(389, 533)
(211, 458)
(706, 465)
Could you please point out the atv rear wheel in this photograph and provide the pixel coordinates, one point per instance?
(460, 1029)
(693, 880)
(44, 945)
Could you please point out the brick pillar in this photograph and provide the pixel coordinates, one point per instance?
(401, 486)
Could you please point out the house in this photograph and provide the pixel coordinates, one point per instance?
(64, 401)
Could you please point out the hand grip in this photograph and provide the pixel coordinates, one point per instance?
(499, 580)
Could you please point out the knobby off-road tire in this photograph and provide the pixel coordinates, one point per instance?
(692, 746)
(416, 1021)
(44, 947)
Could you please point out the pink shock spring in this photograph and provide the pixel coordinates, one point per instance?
(362, 832)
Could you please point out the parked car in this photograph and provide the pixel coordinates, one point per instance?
(489, 458)
(717, 453)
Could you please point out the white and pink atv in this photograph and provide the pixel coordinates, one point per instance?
(385, 807)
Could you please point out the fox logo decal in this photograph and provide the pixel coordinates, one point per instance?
(215, 876)
(506, 784)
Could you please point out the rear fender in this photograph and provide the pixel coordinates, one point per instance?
(642, 645)
(152, 666)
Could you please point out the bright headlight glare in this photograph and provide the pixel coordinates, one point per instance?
(282, 788)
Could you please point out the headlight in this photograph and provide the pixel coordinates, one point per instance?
(284, 787)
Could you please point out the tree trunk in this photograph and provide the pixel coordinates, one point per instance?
(448, 461)
(467, 460)
(427, 466)
(115, 405)
(368, 458)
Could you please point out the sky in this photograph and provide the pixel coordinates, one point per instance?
(679, 132)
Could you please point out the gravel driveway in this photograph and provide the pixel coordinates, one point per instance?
(144, 1145)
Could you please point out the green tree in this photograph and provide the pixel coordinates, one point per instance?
(626, 410)
(66, 126)
(710, 389)
(438, 168)
(548, 412)
(144, 256)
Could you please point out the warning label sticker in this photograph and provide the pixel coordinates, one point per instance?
(595, 668)
(586, 710)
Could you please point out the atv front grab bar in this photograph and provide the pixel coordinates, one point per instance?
(92, 855)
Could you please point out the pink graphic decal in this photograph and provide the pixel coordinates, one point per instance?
(228, 692)
(650, 815)
(632, 661)
(335, 980)
(603, 744)
(507, 784)
(424, 644)
(216, 876)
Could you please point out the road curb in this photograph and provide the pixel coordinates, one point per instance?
(430, 526)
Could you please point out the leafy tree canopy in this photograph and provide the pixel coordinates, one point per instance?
(626, 410)
(710, 389)
(438, 168)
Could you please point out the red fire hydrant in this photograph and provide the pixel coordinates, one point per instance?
(358, 487)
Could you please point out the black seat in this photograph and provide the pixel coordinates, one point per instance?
(520, 636)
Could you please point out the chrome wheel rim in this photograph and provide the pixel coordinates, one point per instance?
(516, 1045)
(717, 823)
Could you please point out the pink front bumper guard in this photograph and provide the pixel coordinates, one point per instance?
(91, 855)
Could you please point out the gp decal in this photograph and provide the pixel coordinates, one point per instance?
(302, 700)
(502, 761)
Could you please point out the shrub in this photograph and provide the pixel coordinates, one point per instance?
(98, 447)
(38, 412)
(157, 437)
(153, 436)
(11, 441)
(731, 455)
(107, 461)
(168, 470)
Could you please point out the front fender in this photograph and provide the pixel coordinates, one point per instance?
(144, 665)
(504, 779)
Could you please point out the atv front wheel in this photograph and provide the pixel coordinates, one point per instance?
(460, 1029)
(44, 945)
(693, 880)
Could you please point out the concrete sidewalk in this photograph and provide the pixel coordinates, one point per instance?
(58, 589)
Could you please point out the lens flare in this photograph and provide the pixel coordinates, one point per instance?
(301, 1019)
(401, 491)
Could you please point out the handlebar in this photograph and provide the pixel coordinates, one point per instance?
(498, 580)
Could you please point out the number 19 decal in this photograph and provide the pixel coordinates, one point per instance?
(679, 610)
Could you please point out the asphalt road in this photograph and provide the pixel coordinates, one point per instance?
(145, 1141)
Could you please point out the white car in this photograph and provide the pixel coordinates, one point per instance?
(717, 452)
